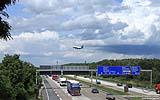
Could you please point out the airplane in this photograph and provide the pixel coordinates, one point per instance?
(78, 47)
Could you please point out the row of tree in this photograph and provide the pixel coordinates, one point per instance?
(17, 79)
(148, 64)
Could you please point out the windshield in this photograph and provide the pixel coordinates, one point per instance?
(54, 76)
(63, 81)
(76, 85)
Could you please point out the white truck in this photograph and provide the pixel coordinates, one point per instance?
(62, 81)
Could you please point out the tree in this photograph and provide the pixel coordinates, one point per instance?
(4, 25)
(17, 79)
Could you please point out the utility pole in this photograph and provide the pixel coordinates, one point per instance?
(36, 77)
(85, 62)
(151, 79)
(91, 78)
(96, 77)
(61, 72)
(57, 62)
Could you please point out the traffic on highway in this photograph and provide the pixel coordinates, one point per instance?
(68, 88)
(73, 91)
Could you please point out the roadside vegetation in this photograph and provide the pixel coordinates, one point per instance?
(18, 79)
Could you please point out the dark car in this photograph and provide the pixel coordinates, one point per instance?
(95, 90)
(50, 75)
(98, 82)
(129, 85)
(46, 76)
(80, 84)
(86, 76)
(119, 84)
(110, 97)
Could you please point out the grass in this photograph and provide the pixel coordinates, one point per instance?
(41, 98)
(135, 83)
(136, 98)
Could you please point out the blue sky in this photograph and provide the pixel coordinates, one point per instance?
(120, 1)
(44, 32)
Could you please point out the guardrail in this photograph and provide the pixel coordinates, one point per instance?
(144, 97)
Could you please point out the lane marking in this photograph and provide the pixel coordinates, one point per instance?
(59, 89)
(46, 92)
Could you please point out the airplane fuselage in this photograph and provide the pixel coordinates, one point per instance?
(77, 47)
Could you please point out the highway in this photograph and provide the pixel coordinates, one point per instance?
(86, 93)
(50, 94)
(114, 86)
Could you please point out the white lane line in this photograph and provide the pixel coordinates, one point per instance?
(46, 92)
(60, 87)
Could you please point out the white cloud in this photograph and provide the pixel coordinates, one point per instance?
(20, 52)
(79, 54)
(4, 46)
(31, 43)
(38, 36)
(52, 28)
(82, 22)
(93, 42)
(49, 54)
(139, 17)
(135, 3)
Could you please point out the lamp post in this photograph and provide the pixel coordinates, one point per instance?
(91, 78)
(36, 77)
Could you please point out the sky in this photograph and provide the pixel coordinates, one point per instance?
(45, 31)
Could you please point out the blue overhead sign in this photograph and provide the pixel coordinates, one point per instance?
(119, 70)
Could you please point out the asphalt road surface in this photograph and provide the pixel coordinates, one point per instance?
(60, 91)
(50, 94)
(86, 93)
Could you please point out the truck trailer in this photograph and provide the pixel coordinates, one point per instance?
(73, 87)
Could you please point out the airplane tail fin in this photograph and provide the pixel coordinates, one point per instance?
(82, 46)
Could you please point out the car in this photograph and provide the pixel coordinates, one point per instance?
(129, 85)
(110, 97)
(98, 82)
(95, 90)
(50, 75)
(86, 76)
(46, 76)
(119, 84)
(80, 84)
